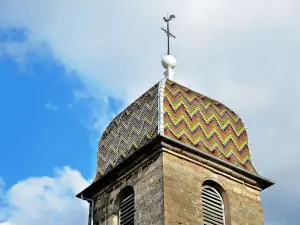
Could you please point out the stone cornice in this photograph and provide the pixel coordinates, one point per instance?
(162, 143)
(212, 162)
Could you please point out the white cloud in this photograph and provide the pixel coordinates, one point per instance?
(46, 200)
(116, 48)
(104, 42)
(51, 107)
(243, 53)
(5, 223)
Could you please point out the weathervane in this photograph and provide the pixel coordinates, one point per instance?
(167, 20)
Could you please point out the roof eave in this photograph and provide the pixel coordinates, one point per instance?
(150, 147)
(158, 140)
(263, 182)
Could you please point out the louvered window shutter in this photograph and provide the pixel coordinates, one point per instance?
(213, 206)
(126, 212)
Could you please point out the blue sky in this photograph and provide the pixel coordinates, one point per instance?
(35, 136)
(47, 126)
(44, 123)
(68, 67)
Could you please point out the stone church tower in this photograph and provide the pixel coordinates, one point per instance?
(175, 156)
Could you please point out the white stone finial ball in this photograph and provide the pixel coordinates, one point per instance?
(168, 62)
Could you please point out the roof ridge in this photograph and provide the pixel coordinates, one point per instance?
(161, 95)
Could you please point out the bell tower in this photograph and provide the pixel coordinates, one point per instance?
(175, 156)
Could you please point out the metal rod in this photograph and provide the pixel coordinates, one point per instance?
(168, 29)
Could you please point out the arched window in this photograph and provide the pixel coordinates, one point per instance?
(213, 206)
(126, 207)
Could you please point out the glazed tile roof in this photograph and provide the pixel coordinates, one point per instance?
(129, 131)
(181, 114)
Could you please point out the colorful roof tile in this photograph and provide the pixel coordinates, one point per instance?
(181, 114)
(129, 131)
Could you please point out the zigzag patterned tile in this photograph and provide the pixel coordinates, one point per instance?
(206, 124)
(130, 130)
(189, 117)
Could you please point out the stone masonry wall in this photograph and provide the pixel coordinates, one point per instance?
(147, 182)
(183, 180)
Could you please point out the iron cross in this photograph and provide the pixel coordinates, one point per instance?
(167, 20)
